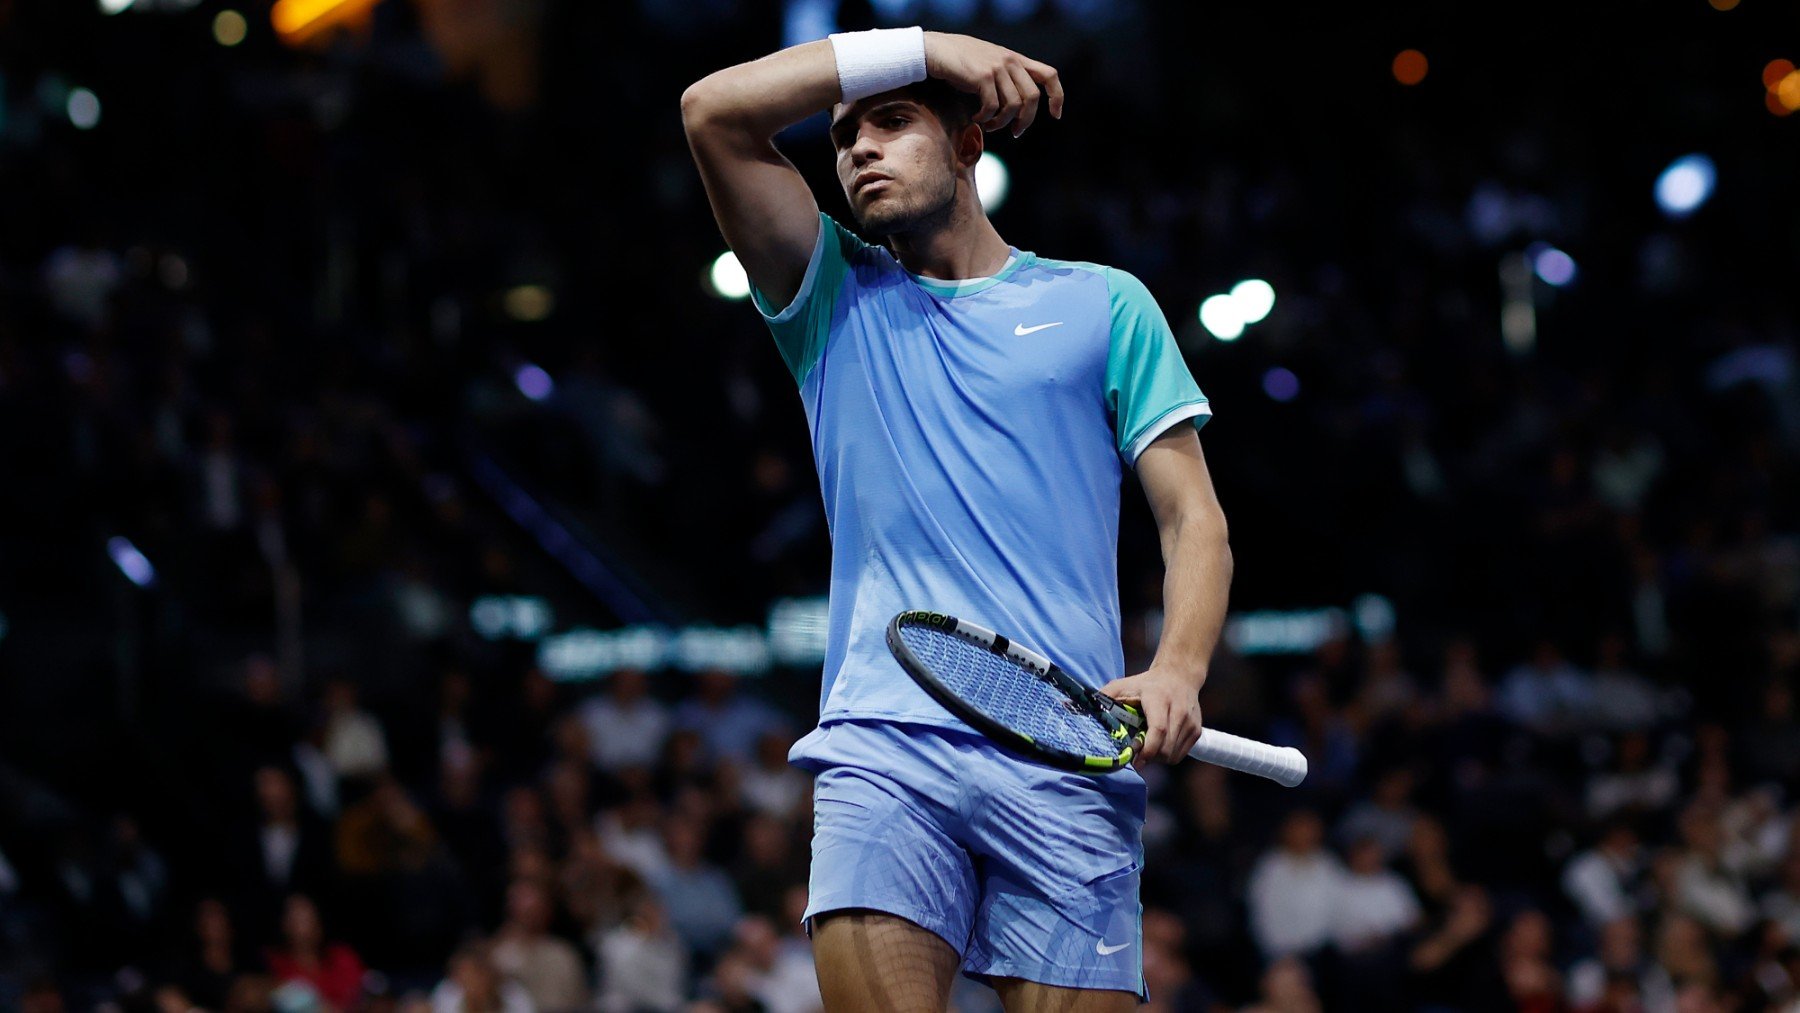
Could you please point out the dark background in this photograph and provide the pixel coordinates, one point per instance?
(256, 322)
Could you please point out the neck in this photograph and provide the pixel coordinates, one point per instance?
(965, 245)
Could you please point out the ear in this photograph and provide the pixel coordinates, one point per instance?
(969, 143)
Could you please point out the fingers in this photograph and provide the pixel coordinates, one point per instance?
(1028, 97)
(1009, 101)
(1156, 723)
(1046, 76)
(990, 103)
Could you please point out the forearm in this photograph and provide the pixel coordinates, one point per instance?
(762, 97)
(1196, 586)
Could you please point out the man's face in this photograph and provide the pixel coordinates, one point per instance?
(896, 164)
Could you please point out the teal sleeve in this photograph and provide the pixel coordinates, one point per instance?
(801, 328)
(1148, 386)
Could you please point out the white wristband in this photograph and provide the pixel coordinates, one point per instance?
(869, 63)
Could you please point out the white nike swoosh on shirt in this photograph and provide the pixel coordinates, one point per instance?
(1104, 950)
(1021, 330)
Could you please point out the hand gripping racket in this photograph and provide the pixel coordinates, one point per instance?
(1020, 699)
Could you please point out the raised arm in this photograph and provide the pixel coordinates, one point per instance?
(767, 214)
(762, 204)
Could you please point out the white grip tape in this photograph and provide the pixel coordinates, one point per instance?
(869, 63)
(1282, 764)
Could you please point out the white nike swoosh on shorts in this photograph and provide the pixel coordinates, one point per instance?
(1104, 950)
(1021, 330)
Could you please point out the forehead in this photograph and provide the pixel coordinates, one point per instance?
(844, 118)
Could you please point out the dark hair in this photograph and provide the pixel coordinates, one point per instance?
(954, 109)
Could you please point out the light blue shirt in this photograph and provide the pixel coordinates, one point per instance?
(970, 438)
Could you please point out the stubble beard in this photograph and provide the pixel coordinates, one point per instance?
(926, 212)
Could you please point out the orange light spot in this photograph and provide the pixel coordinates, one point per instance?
(299, 20)
(1722, 5)
(1775, 71)
(1788, 91)
(1410, 67)
(1773, 101)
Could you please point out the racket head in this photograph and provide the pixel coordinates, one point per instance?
(1010, 693)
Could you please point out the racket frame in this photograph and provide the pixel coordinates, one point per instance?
(1120, 721)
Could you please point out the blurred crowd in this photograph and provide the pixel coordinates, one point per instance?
(287, 775)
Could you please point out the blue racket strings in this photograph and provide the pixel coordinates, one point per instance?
(1008, 693)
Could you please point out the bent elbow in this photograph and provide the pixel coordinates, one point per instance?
(695, 104)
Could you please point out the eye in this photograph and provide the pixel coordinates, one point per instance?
(894, 121)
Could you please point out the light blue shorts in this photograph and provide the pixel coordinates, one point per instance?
(1029, 872)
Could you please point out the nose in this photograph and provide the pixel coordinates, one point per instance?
(864, 150)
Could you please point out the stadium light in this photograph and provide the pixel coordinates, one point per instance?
(1281, 384)
(1255, 298)
(83, 108)
(1222, 317)
(529, 303)
(1685, 185)
(533, 382)
(728, 278)
(130, 561)
(1248, 302)
(1551, 265)
(115, 6)
(1410, 67)
(229, 28)
(992, 181)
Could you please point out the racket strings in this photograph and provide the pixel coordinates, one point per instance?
(1009, 693)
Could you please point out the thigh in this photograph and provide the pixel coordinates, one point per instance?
(1020, 996)
(874, 962)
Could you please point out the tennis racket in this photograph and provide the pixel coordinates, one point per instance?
(1020, 699)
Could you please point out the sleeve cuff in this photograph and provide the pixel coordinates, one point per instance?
(1164, 422)
(792, 309)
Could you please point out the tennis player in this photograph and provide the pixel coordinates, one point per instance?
(972, 407)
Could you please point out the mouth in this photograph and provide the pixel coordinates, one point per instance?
(869, 181)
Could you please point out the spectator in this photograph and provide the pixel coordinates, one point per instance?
(1168, 976)
(385, 834)
(1547, 695)
(1294, 889)
(768, 866)
(1602, 880)
(1684, 957)
(1770, 744)
(1531, 979)
(474, 985)
(1634, 785)
(354, 744)
(1371, 905)
(783, 979)
(1286, 988)
(1624, 701)
(205, 971)
(729, 723)
(702, 903)
(625, 726)
(331, 969)
(1599, 982)
(524, 950)
(1705, 888)
(1427, 865)
(285, 853)
(1386, 817)
(643, 963)
(631, 834)
(1782, 904)
(1453, 964)
(771, 786)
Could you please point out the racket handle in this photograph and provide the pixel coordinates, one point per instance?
(1284, 765)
